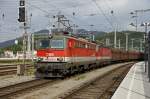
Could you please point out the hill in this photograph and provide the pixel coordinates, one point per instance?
(7, 43)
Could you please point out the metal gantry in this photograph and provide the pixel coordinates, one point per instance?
(135, 15)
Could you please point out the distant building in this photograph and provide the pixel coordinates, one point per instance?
(20, 55)
(9, 54)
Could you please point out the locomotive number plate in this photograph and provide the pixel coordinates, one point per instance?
(49, 54)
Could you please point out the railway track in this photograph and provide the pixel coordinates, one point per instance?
(10, 69)
(96, 88)
(12, 91)
(102, 87)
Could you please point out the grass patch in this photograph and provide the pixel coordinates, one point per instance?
(15, 61)
(80, 77)
(30, 71)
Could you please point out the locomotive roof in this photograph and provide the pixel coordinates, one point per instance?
(75, 38)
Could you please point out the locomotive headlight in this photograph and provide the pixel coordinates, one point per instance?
(60, 59)
(39, 59)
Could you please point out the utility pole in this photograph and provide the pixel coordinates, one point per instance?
(148, 56)
(141, 45)
(127, 41)
(115, 36)
(32, 35)
(146, 41)
(92, 37)
(75, 28)
(115, 31)
(136, 20)
(29, 38)
(119, 43)
(132, 44)
(107, 40)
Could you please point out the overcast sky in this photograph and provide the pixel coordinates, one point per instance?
(40, 9)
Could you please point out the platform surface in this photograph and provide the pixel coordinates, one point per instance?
(135, 85)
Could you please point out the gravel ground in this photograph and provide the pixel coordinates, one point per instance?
(13, 79)
(59, 89)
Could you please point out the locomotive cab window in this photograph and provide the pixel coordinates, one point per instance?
(57, 43)
(41, 44)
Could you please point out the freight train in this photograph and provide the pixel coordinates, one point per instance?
(62, 55)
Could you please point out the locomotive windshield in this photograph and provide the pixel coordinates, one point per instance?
(57, 44)
(44, 44)
(50, 43)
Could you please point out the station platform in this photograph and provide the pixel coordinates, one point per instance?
(135, 85)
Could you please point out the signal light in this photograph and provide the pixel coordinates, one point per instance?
(21, 14)
(22, 3)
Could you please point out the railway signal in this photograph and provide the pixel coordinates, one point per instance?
(22, 19)
(22, 11)
(21, 14)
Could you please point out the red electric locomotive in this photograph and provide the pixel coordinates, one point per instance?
(61, 55)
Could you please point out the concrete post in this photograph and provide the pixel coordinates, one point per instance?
(145, 51)
(115, 37)
(132, 44)
(141, 45)
(20, 70)
(119, 44)
(126, 41)
(32, 46)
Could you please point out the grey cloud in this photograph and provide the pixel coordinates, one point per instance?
(82, 8)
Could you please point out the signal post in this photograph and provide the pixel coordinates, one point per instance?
(22, 19)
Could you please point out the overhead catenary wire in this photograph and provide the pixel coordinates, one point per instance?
(70, 16)
(75, 18)
(100, 9)
(111, 9)
(46, 12)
